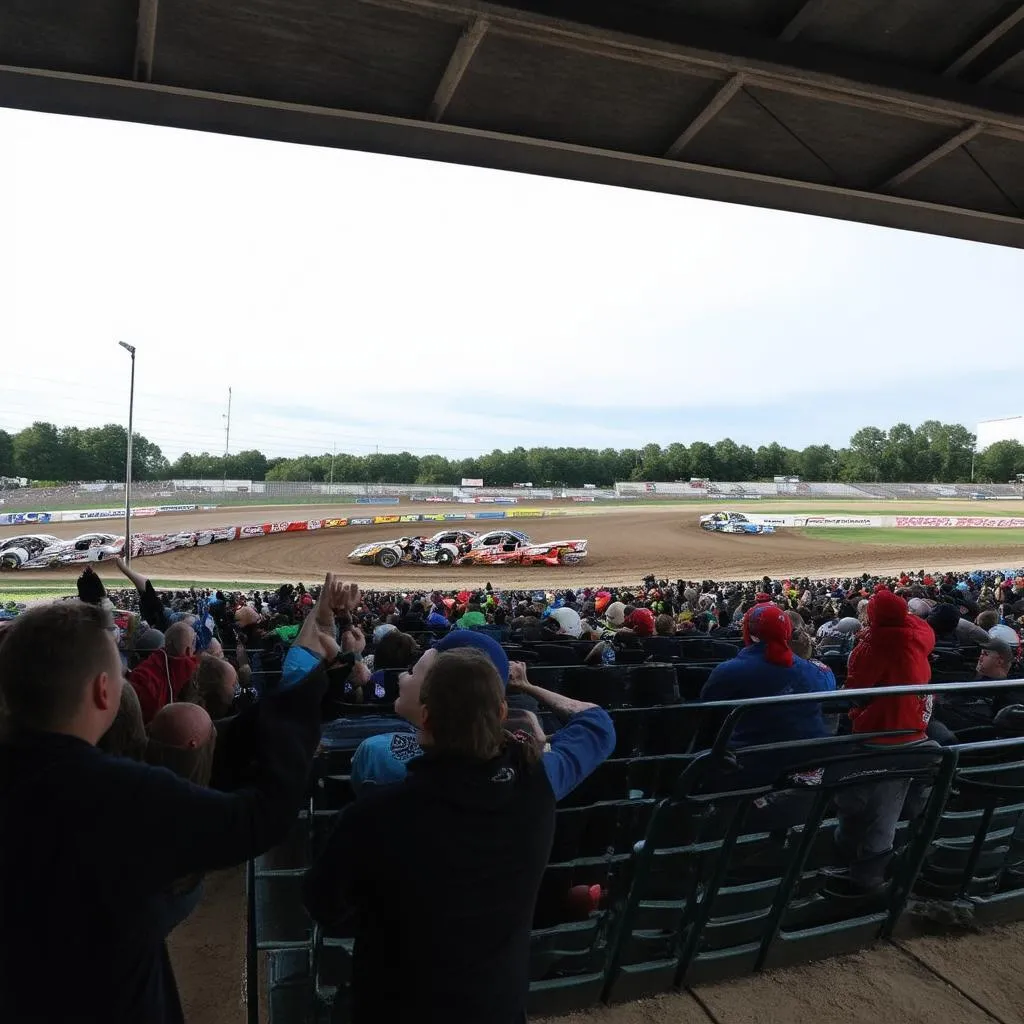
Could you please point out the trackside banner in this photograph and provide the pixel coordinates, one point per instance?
(103, 513)
(30, 518)
(954, 522)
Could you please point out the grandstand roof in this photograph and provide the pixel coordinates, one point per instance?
(904, 113)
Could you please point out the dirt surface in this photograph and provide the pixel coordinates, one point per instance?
(625, 544)
(208, 952)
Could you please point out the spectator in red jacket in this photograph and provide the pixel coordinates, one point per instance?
(892, 651)
(160, 679)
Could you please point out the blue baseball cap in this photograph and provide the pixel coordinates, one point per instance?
(482, 642)
(381, 760)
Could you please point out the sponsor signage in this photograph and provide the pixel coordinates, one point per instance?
(96, 513)
(985, 522)
(815, 521)
(447, 516)
(488, 515)
(296, 527)
(363, 521)
(437, 500)
(251, 531)
(524, 513)
(14, 518)
(584, 497)
(386, 519)
(275, 527)
(177, 508)
(433, 517)
(377, 501)
(411, 518)
(330, 524)
(472, 481)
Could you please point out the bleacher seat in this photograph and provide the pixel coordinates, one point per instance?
(713, 898)
(698, 885)
(974, 863)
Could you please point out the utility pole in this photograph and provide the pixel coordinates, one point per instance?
(130, 349)
(227, 444)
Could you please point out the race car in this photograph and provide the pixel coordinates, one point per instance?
(732, 522)
(510, 547)
(161, 543)
(43, 551)
(462, 547)
(444, 548)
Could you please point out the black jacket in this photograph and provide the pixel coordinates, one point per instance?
(441, 873)
(88, 844)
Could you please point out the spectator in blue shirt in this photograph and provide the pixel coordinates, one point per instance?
(767, 667)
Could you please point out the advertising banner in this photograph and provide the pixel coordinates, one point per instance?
(472, 481)
(17, 518)
(584, 497)
(831, 521)
(447, 516)
(377, 501)
(253, 530)
(488, 515)
(177, 508)
(410, 519)
(983, 522)
(95, 513)
(386, 519)
(362, 521)
(433, 517)
(330, 524)
(524, 513)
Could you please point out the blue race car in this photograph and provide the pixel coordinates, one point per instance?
(732, 522)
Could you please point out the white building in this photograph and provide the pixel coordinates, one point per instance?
(1008, 428)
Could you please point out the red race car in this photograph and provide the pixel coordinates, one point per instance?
(509, 547)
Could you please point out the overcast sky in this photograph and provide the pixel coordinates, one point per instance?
(358, 300)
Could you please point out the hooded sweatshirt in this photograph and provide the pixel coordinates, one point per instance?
(893, 651)
(441, 873)
(159, 680)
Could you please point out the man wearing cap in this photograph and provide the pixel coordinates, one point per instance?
(960, 711)
(440, 872)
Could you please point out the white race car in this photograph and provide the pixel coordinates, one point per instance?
(732, 522)
(43, 551)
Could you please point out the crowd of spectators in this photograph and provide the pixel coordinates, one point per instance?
(456, 752)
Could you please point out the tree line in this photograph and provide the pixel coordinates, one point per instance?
(932, 452)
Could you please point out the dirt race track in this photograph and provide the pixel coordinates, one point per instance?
(626, 543)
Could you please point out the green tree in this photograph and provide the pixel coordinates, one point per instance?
(818, 462)
(6, 454)
(1000, 462)
(37, 452)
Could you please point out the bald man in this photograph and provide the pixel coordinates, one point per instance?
(182, 738)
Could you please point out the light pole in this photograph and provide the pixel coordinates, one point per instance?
(130, 349)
